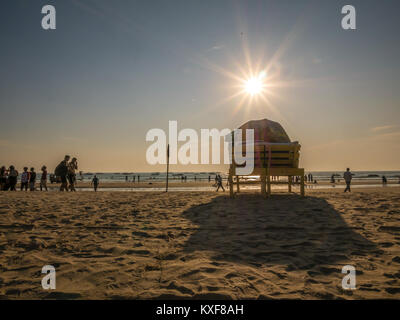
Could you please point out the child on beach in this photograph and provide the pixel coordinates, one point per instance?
(32, 179)
(95, 182)
(43, 179)
(25, 179)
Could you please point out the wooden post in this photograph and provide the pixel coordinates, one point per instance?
(166, 187)
(230, 180)
(302, 185)
(237, 184)
(268, 184)
(263, 183)
(232, 168)
(264, 175)
(290, 183)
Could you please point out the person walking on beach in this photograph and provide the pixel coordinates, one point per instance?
(219, 183)
(95, 183)
(25, 179)
(12, 178)
(32, 179)
(43, 179)
(62, 172)
(72, 166)
(347, 178)
(384, 180)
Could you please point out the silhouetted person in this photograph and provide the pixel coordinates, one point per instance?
(32, 179)
(95, 183)
(219, 183)
(12, 178)
(72, 167)
(25, 179)
(384, 180)
(3, 178)
(347, 178)
(43, 179)
(62, 172)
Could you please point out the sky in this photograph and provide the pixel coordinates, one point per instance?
(113, 70)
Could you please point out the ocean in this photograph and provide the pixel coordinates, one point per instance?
(204, 176)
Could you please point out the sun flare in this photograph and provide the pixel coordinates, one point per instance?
(255, 85)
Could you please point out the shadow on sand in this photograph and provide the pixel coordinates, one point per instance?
(300, 233)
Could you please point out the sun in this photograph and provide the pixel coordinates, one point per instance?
(255, 85)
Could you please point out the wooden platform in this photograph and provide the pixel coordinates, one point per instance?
(271, 160)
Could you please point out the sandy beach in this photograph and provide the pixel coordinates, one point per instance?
(200, 245)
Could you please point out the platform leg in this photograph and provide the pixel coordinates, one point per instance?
(230, 180)
(263, 185)
(268, 184)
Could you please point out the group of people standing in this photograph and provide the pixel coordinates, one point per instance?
(66, 170)
(9, 179)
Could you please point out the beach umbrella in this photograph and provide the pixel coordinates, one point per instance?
(265, 131)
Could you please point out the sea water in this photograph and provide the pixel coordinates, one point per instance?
(204, 176)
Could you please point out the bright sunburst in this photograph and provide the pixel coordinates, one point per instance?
(255, 85)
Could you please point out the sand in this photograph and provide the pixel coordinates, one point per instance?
(200, 245)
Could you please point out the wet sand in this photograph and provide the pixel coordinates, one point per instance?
(200, 245)
(202, 184)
